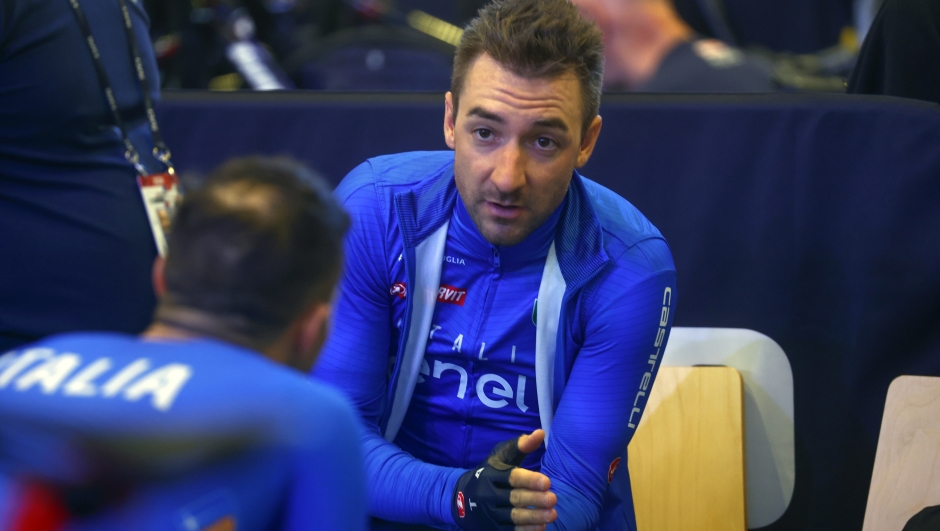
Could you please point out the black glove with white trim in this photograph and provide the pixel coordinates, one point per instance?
(481, 498)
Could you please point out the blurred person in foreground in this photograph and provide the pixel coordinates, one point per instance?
(206, 421)
(649, 48)
(492, 291)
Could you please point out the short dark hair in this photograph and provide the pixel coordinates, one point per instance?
(535, 39)
(252, 247)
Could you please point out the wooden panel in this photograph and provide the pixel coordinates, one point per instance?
(687, 456)
(906, 476)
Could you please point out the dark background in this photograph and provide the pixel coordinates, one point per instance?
(191, 35)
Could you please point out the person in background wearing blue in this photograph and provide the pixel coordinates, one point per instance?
(207, 420)
(73, 228)
(492, 291)
(651, 49)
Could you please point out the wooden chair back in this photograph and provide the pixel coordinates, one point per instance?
(906, 476)
(687, 457)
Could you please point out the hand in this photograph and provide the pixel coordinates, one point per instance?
(534, 504)
(499, 495)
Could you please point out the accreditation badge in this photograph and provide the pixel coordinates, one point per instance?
(161, 194)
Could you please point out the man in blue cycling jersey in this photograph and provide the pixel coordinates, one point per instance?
(206, 421)
(492, 291)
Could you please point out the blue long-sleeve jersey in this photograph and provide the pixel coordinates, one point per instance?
(198, 432)
(448, 344)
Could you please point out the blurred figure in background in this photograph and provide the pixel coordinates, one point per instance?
(649, 48)
(206, 421)
(224, 44)
(359, 45)
(76, 240)
(901, 53)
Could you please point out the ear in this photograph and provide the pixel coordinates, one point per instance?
(157, 276)
(312, 330)
(587, 143)
(449, 120)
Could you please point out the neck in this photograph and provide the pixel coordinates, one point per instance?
(176, 322)
(158, 330)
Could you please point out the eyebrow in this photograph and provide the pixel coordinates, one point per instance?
(553, 123)
(485, 114)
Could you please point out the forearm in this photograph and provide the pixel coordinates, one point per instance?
(607, 388)
(577, 483)
(577, 510)
(405, 489)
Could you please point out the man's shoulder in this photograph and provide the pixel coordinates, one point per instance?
(203, 371)
(388, 174)
(325, 405)
(92, 340)
(188, 400)
(82, 348)
(167, 382)
(634, 245)
(412, 167)
(120, 347)
(618, 217)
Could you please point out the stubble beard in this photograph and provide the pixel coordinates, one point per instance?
(504, 233)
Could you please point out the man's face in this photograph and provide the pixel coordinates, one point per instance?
(516, 143)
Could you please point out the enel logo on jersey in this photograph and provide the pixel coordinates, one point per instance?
(500, 387)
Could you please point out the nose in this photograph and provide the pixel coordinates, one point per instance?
(509, 173)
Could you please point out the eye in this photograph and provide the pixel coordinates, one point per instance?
(483, 133)
(545, 142)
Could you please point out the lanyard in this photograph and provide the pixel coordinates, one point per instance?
(160, 151)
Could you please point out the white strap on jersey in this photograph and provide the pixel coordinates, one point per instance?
(548, 312)
(429, 255)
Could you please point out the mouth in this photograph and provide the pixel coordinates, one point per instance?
(502, 211)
